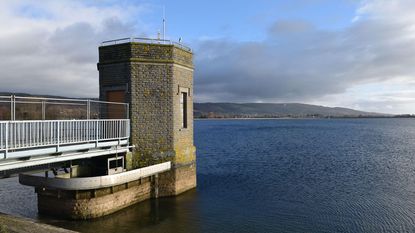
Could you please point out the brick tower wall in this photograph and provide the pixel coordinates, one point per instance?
(153, 77)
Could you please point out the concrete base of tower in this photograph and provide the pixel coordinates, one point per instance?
(179, 179)
(89, 204)
(93, 203)
(94, 196)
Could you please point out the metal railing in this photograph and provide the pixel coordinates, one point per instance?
(22, 135)
(146, 40)
(38, 108)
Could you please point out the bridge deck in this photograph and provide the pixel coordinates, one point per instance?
(22, 142)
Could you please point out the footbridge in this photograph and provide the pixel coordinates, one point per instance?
(43, 132)
(77, 153)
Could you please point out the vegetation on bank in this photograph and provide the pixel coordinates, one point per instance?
(30, 111)
(275, 110)
(242, 116)
(3, 228)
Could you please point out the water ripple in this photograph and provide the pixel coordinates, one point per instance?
(351, 175)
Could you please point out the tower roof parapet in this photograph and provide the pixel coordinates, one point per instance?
(147, 41)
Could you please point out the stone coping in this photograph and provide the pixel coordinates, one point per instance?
(147, 41)
(89, 183)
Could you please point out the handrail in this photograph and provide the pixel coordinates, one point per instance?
(146, 40)
(62, 99)
(96, 182)
(43, 101)
(21, 135)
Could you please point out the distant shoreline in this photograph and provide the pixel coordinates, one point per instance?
(300, 118)
(252, 118)
(283, 110)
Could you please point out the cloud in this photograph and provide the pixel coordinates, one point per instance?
(51, 48)
(299, 62)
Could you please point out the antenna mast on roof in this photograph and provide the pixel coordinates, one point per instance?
(164, 22)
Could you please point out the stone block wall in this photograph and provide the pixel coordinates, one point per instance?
(151, 112)
(114, 53)
(153, 77)
(89, 204)
(183, 137)
(182, 57)
(178, 180)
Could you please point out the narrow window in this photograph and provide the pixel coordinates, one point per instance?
(183, 106)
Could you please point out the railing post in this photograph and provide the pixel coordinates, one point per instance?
(128, 130)
(43, 110)
(88, 133)
(119, 131)
(6, 141)
(13, 133)
(50, 132)
(58, 135)
(88, 109)
(96, 133)
(13, 107)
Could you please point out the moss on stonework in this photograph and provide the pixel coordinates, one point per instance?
(185, 154)
(3, 228)
(182, 155)
(142, 60)
(129, 161)
(144, 159)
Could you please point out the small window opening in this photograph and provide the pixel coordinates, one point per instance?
(183, 106)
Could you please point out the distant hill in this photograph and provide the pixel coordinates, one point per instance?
(261, 110)
(271, 110)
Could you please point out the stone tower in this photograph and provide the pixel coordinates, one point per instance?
(156, 79)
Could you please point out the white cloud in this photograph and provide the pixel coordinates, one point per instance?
(50, 47)
(390, 96)
(301, 63)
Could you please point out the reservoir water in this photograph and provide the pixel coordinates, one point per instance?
(332, 175)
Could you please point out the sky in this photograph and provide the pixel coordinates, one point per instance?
(348, 53)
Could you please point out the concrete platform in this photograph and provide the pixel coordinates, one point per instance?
(92, 197)
(89, 183)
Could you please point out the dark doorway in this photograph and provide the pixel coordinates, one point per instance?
(116, 111)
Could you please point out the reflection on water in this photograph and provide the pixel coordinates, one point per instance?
(355, 175)
(176, 214)
(162, 215)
